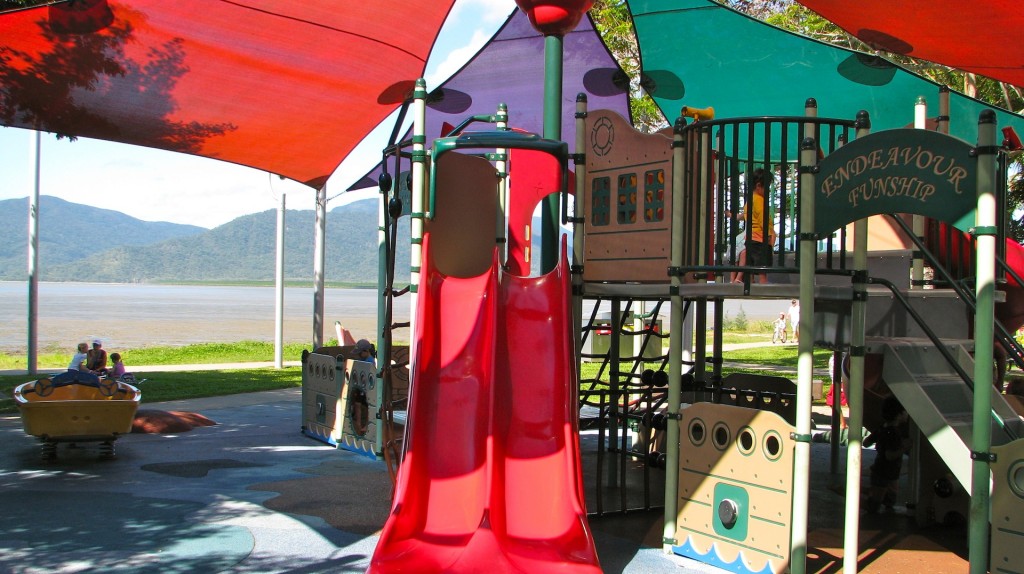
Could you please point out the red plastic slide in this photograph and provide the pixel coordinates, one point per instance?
(1011, 312)
(490, 480)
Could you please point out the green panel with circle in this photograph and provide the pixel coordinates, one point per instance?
(731, 511)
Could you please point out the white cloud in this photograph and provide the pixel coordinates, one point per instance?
(457, 58)
(483, 11)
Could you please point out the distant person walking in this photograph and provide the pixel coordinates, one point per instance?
(794, 318)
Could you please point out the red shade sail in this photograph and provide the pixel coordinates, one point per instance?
(283, 86)
(982, 36)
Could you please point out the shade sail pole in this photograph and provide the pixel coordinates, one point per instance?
(35, 152)
(319, 257)
(279, 288)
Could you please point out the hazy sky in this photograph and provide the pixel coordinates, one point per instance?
(155, 185)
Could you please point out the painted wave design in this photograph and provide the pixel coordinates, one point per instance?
(713, 559)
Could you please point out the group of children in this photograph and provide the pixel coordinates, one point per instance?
(95, 360)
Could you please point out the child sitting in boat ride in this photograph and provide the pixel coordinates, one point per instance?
(116, 371)
(78, 361)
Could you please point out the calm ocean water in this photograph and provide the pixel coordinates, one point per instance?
(128, 316)
(132, 316)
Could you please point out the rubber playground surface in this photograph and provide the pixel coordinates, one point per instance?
(252, 494)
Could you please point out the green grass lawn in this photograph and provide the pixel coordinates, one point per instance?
(203, 353)
(174, 385)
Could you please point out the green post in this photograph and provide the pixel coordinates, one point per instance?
(552, 130)
(805, 361)
(985, 232)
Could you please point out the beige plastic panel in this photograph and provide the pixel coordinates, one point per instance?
(322, 381)
(727, 451)
(1008, 508)
(635, 248)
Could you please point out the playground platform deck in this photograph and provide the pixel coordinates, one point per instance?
(253, 494)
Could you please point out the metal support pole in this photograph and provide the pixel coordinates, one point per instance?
(319, 258)
(615, 388)
(418, 193)
(805, 360)
(942, 124)
(503, 187)
(279, 288)
(578, 228)
(553, 50)
(855, 395)
(917, 270)
(675, 345)
(985, 232)
(35, 153)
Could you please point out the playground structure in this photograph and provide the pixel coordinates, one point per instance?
(637, 214)
(342, 398)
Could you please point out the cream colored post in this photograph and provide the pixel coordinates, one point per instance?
(578, 228)
(35, 155)
(279, 286)
(319, 257)
(418, 193)
(942, 123)
(501, 166)
(675, 344)
(917, 271)
(855, 394)
(805, 360)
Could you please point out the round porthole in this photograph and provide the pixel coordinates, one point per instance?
(772, 445)
(720, 436)
(697, 432)
(1015, 478)
(746, 441)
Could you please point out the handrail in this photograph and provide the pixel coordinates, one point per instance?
(938, 345)
(497, 139)
(1004, 336)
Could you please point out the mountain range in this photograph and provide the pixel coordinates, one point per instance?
(82, 243)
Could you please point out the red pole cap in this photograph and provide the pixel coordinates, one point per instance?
(555, 17)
